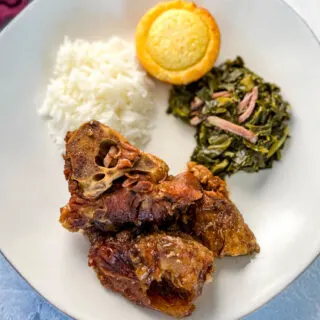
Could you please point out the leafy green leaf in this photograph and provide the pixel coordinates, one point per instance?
(222, 152)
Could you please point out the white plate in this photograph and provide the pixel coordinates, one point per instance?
(280, 205)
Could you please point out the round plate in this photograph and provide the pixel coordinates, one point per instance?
(280, 205)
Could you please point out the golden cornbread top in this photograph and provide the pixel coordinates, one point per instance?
(177, 39)
(177, 42)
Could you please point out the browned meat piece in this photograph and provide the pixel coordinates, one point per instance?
(112, 196)
(221, 228)
(98, 155)
(132, 204)
(143, 193)
(158, 271)
(208, 181)
(216, 221)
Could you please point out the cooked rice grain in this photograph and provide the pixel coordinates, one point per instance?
(101, 81)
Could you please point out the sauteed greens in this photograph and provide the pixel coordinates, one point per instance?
(241, 120)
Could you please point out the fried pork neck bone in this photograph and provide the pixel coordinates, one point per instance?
(114, 186)
(159, 271)
(216, 221)
(98, 155)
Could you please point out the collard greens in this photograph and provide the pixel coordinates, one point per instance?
(225, 153)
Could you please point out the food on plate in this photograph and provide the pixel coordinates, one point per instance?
(96, 156)
(115, 186)
(216, 221)
(153, 236)
(160, 271)
(241, 121)
(101, 81)
(177, 42)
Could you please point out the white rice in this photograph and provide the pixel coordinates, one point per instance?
(98, 81)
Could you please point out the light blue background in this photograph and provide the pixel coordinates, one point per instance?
(300, 301)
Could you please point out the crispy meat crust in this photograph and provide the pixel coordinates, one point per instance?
(159, 271)
(145, 194)
(153, 236)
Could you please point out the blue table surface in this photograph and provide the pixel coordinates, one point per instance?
(299, 301)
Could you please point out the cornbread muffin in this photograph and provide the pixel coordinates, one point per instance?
(177, 42)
